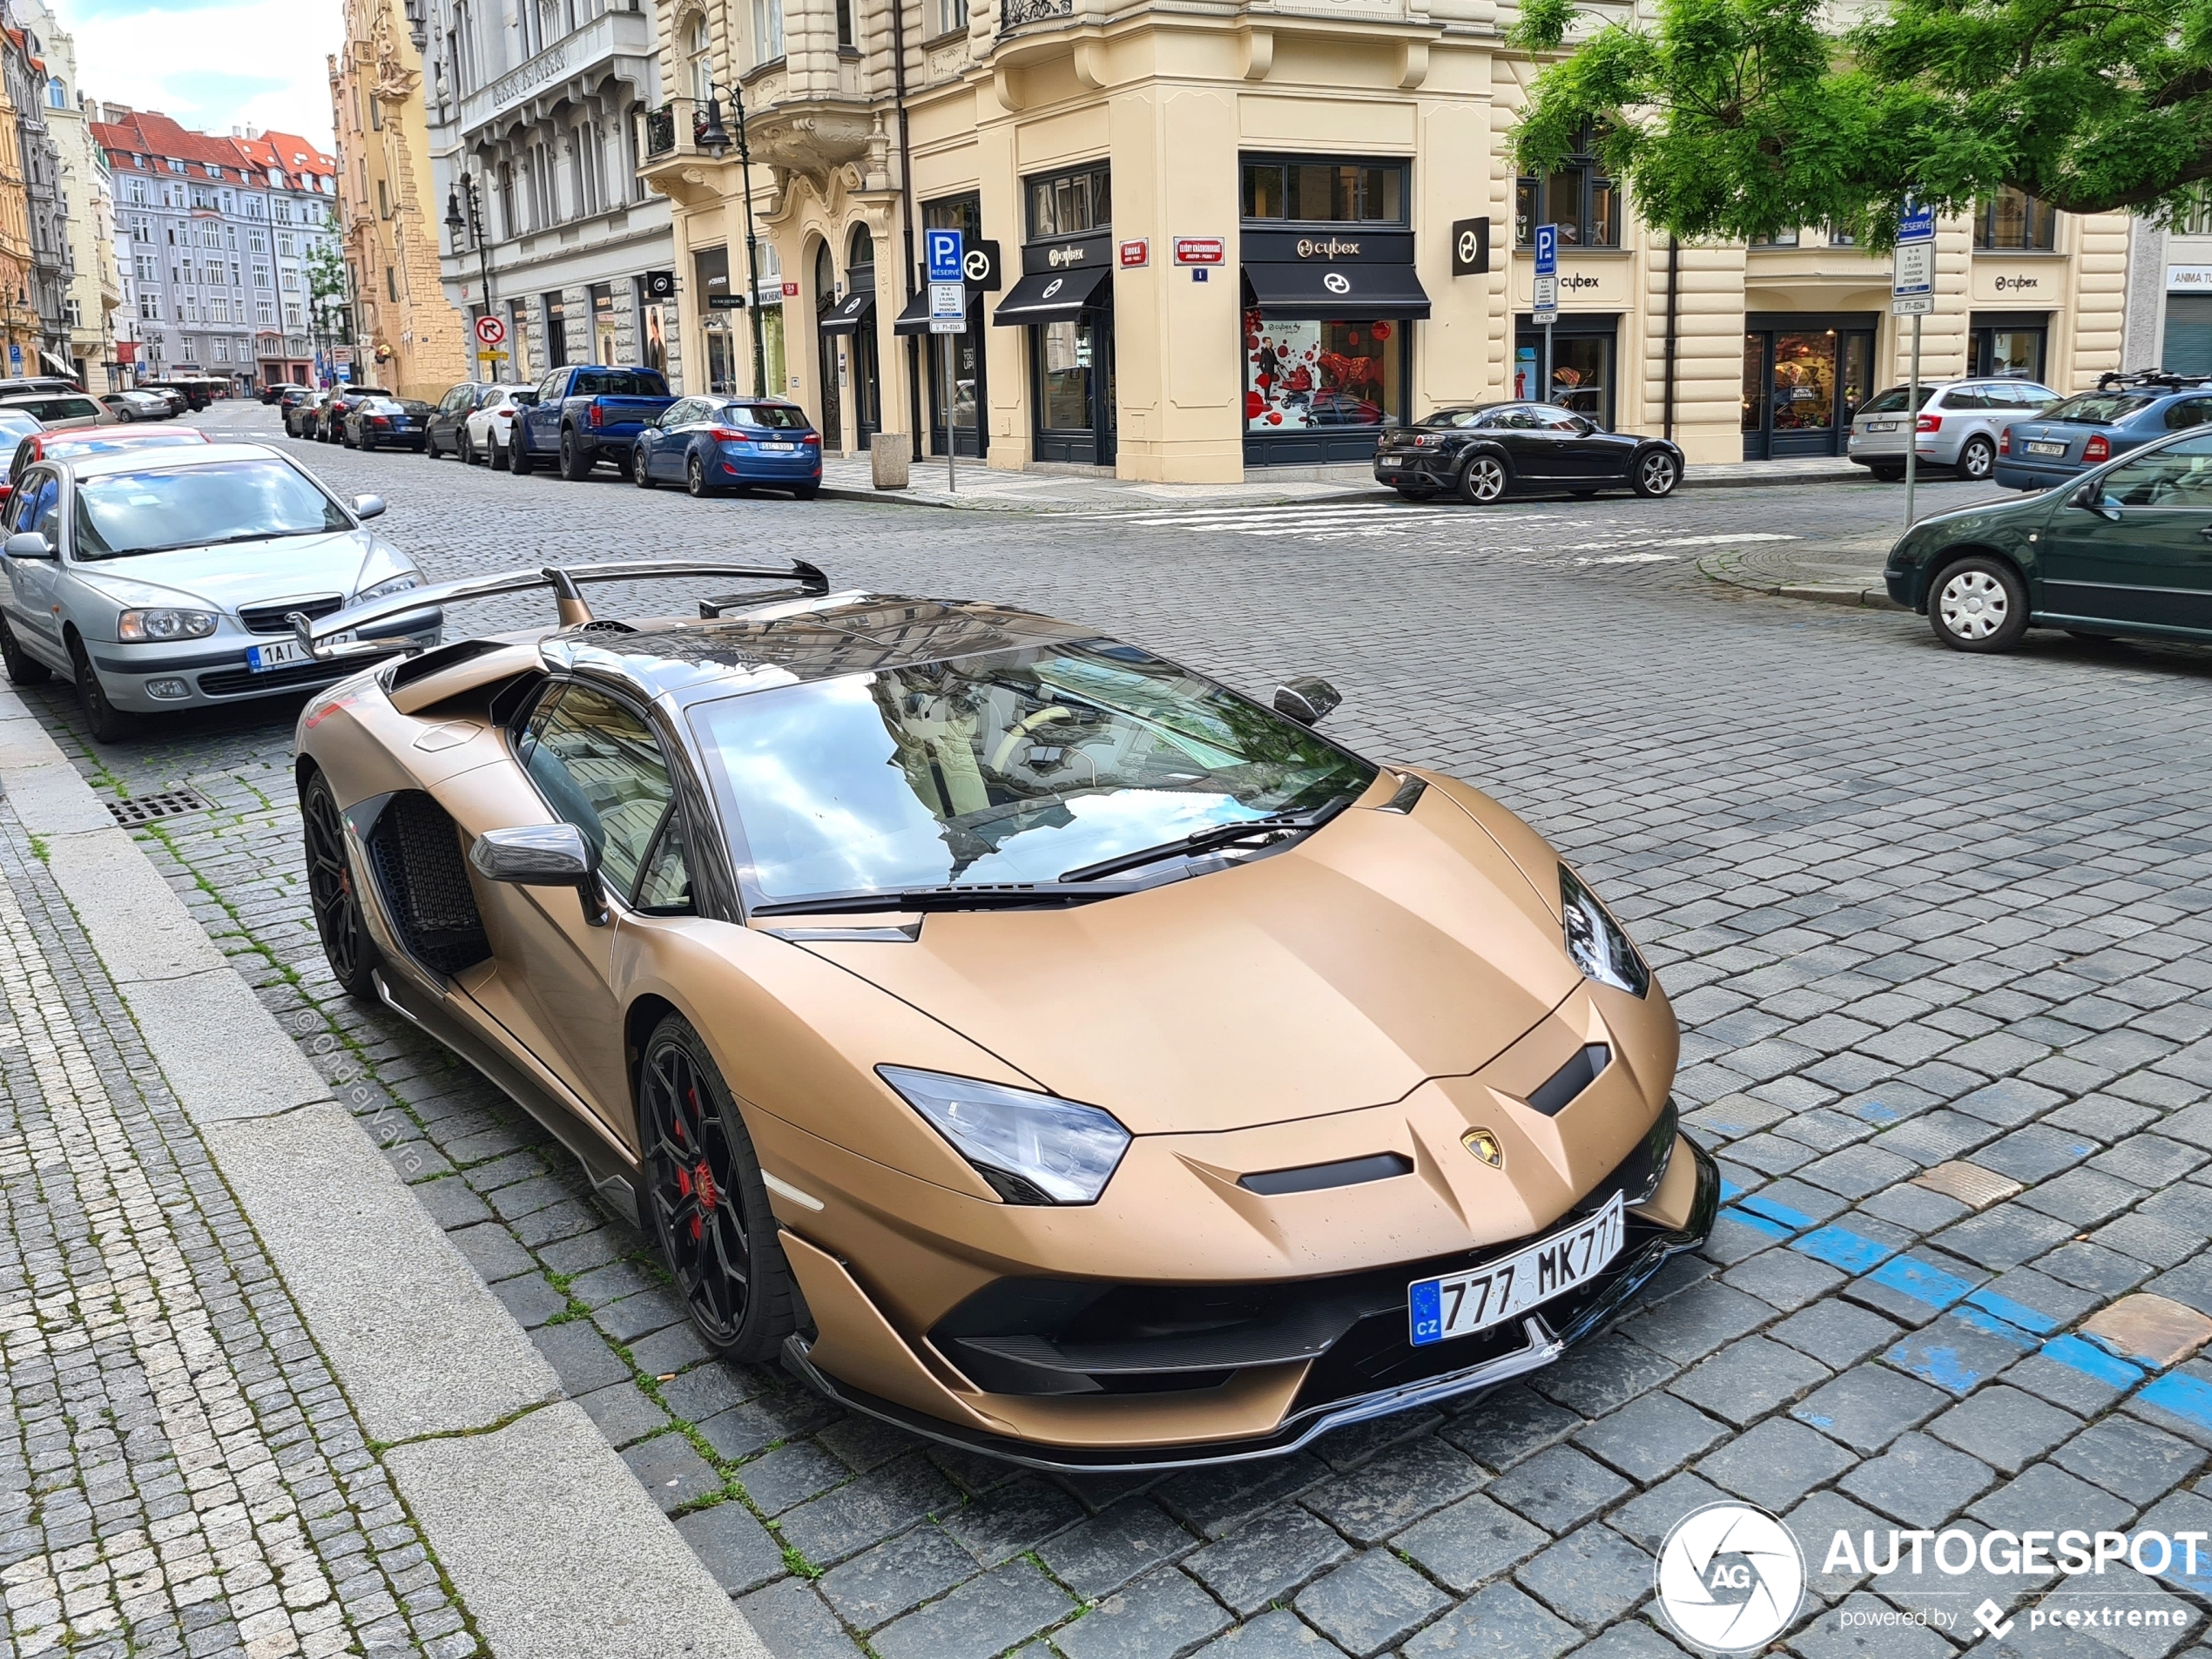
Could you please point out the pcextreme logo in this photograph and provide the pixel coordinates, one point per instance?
(1731, 1578)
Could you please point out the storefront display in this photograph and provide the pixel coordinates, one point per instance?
(1065, 300)
(2010, 343)
(1305, 372)
(1584, 351)
(1804, 377)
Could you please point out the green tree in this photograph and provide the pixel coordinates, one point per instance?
(1730, 119)
(329, 298)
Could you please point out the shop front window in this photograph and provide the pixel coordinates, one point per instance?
(1581, 373)
(1300, 374)
(1064, 355)
(1804, 382)
(2015, 350)
(2013, 221)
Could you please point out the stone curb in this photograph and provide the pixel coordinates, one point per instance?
(1349, 492)
(544, 1531)
(1723, 567)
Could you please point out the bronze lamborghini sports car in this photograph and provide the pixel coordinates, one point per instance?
(1030, 1041)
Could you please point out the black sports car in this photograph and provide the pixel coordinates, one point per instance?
(1486, 451)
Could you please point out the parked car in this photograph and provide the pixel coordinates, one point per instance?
(55, 409)
(487, 435)
(304, 418)
(196, 392)
(449, 425)
(165, 579)
(2121, 550)
(1484, 451)
(710, 444)
(1958, 425)
(15, 425)
(78, 441)
(585, 416)
(388, 423)
(1421, 1142)
(137, 406)
(330, 422)
(2124, 413)
(19, 384)
(274, 393)
(168, 395)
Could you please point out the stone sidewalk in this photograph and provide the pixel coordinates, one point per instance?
(978, 489)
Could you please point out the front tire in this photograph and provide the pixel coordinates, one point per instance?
(106, 723)
(1657, 474)
(1977, 458)
(464, 450)
(710, 1207)
(1482, 480)
(1978, 605)
(22, 668)
(346, 944)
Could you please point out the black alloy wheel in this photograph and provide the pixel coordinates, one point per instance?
(710, 1207)
(346, 944)
(22, 668)
(695, 482)
(106, 723)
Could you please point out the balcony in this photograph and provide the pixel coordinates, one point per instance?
(619, 40)
(1015, 14)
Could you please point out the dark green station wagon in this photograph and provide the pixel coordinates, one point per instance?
(2125, 548)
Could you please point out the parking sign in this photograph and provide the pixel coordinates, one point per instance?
(1547, 249)
(944, 249)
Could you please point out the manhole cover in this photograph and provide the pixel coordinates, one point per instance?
(170, 803)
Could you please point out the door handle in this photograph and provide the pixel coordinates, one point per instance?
(2206, 532)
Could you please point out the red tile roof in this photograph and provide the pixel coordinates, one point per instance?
(151, 134)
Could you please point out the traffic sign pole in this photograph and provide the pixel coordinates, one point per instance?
(1912, 292)
(947, 251)
(1912, 423)
(1545, 296)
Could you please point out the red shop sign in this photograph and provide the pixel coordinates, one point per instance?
(1200, 250)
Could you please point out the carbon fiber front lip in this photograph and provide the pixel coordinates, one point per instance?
(1543, 1346)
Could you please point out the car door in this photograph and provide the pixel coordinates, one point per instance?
(2144, 554)
(34, 585)
(1537, 441)
(666, 437)
(597, 765)
(538, 426)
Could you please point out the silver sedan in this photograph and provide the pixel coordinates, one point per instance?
(166, 579)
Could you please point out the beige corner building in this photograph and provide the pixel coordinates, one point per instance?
(415, 342)
(1233, 237)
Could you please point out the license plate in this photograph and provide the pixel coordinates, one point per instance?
(279, 653)
(774, 448)
(2035, 448)
(1459, 1304)
(1881, 426)
(1386, 466)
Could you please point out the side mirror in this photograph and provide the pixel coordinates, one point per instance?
(1307, 699)
(543, 855)
(29, 544)
(2092, 498)
(368, 506)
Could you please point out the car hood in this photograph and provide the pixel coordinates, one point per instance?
(244, 573)
(1383, 950)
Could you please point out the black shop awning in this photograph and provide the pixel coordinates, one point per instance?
(1047, 296)
(1351, 293)
(852, 314)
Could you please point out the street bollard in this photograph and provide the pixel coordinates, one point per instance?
(891, 453)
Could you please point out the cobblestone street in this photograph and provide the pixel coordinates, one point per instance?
(1935, 927)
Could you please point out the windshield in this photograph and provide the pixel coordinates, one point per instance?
(619, 382)
(1892, 401)
(153, 511)
(2101, 408)
(1014, 766)
(782, 416)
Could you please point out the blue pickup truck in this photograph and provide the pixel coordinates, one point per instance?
(586, 414)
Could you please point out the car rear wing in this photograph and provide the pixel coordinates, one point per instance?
(371, 630)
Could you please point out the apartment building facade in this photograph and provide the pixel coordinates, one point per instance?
(93, 291)
(414, 336)
(215, 236)
(535, 110)
(1243, 238)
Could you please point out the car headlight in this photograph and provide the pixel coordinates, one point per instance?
(164, 624)
(389, 586)
(1600, 948)
(1032, 1147)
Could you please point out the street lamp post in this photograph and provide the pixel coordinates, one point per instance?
(713, 138)
(472, 226)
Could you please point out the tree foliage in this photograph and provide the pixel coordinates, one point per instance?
(1733, 119)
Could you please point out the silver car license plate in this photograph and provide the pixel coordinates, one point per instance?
(778, 449)
(1459, 1304)
(2038, 447)
(1881, 426)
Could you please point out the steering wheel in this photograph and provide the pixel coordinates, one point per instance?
(1000, 755)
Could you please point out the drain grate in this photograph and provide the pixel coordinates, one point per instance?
(170, 803)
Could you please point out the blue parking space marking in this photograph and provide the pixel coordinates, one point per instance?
(1773, 1230)
(1938, 1363)
(1840, 1247)
(1922, 1281)
(1795, 1221)
(1730, 1191)
(2012, 1312)
(2092, 1361)
(1989, 1324)
(2182, 1394)
(1872, 1111)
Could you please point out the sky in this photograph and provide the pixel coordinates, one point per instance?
(212, 65)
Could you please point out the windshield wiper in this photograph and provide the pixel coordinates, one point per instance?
(1215, 835)
(1012, 895)
(222, 541)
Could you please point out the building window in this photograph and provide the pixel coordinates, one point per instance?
(136, 193)
(1574, 196)
(510, 225)
(265, 310)
(2014, 221)
(391, 282)
(1301, 374)
(844, 38)
(951, 14)
(702, 63)
(557, 331)
(2196, 219)
(292, 317)
(767, 29)
(261, 276)
(1326, 192)
(384, 200)
(1778, 239)
(150, 306)
(1070, 204)
(222, 348)
(176, 165)
(71, 308)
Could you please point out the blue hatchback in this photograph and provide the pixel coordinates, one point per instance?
(2091, 427)
(711, 444)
